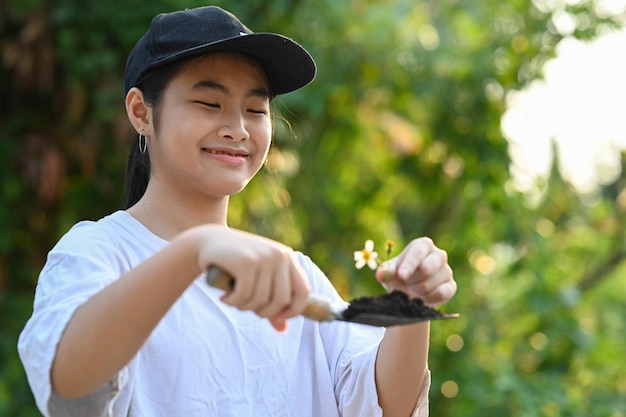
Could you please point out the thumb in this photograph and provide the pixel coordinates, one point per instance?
(386, 270)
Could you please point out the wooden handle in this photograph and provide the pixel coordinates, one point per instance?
(317, 308)
(218, 278)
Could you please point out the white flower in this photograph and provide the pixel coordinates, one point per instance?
(366, 256)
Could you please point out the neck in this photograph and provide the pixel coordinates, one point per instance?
(168, 216)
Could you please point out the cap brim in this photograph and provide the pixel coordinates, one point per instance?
(288, 65)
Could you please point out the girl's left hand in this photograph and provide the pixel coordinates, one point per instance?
(421, 271)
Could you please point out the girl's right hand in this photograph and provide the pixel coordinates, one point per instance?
(269, 279)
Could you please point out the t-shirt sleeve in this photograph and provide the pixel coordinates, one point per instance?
(351, 351)
(70, 277)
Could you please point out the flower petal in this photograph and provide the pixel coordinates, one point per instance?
(372, 264)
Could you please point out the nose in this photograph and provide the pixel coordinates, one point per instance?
(233, 127)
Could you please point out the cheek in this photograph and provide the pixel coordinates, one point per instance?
(263, 150)
(179, 127)
(263, 141)
(263, 135)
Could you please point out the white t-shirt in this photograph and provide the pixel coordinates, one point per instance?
(204, 358)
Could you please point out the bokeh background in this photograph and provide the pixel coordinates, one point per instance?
(413, 127)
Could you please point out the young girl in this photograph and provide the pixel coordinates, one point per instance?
(124, 323)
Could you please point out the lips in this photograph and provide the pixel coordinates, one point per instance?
(229, 152)
(228, 156)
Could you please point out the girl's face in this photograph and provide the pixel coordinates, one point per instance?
(214, 127)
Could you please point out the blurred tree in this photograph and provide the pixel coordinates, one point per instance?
(398, 137)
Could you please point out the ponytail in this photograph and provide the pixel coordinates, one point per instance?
(137, 175)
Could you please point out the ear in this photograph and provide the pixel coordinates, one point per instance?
(139, 112)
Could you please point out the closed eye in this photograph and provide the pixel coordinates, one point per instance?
(257, 111)
(212, 105)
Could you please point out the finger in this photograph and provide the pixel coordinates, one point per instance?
(280, 294)
(242, 291)
(434, 262)
(412, 256)
(261, 293)
(424, 287)
(441, 294)
(279, 324)
(299, 298)
(249, 285)
(386, 271)
(299, 292)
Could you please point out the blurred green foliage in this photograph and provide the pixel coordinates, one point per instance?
(398, 137)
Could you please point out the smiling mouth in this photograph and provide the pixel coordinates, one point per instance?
(228, 153)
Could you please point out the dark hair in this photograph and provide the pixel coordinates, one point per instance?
(152, 85)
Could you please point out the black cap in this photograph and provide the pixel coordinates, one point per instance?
(181, 34)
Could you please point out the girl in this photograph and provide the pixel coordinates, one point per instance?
(124, 323)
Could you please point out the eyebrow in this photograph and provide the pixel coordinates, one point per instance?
(214, 85)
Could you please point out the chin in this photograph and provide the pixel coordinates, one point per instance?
(230, 189)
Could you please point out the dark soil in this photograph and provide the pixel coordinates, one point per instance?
(395, 303)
